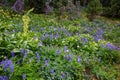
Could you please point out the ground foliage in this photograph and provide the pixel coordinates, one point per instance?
(53, 49)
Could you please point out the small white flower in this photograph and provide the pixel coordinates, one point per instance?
(67, 50)
(12, 35)
(36, 39)
(78, 46)
(40, 44)
(63, 41)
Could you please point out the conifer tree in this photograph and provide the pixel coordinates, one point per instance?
(115, 8)
(94, 8)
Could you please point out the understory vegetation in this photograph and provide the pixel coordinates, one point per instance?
(58, 46)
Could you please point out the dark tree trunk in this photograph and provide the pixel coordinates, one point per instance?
(85, 2)
(74, 2)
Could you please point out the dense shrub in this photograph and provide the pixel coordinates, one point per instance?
(94, 8)
(112, 9)
(115, 8)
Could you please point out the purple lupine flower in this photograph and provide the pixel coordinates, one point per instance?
(68, 34)
(84, 40)
(65, 48)
(70, 57)
(56, 36)
(38, 57)
(59, 29)
(18, 6)
(6, 67)
(40, 43)
(4, 78)
(78, 34)
(51, 36)
(98, 37)
(41, 29)
(58, 51)
(110, 46)
(46, 62)
(11, 65)
(25, 55)
(52, 71)
(12, 68)
(23, 76)
(54, 29)
(22, 51)
(88, 29)
(63, 75)
(49, 8)
(100, 31)
(44, 37)
(118, 48)
(8, 64)
(5, 64)
(13, 54)
(99, 59)
(78, 59)
(2, 63)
